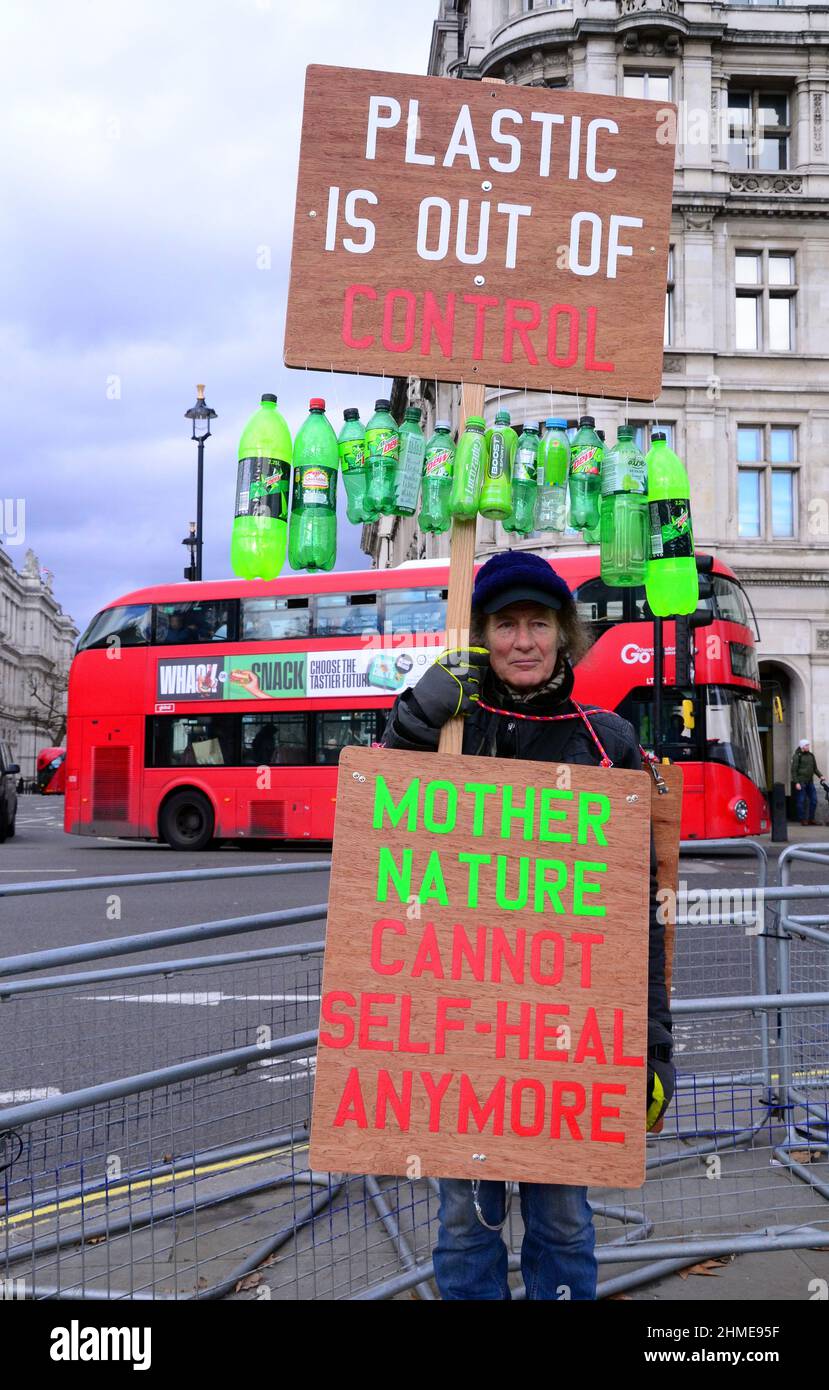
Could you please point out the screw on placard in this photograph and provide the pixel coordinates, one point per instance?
(480, 280)
(486, 186)
(627, 798)
(312, 213)
(358, 777)
(479, 1158)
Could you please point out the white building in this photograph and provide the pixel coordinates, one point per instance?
(36, 643)
(745, 393)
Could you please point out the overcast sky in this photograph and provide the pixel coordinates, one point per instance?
(149, 150)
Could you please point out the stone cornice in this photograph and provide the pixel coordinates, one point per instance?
(781, 578)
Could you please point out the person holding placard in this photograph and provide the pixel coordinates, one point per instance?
(525, 634)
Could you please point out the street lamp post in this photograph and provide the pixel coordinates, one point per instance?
(201, 415)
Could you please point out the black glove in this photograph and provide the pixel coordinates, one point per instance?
(661, 1083)
(452, 685)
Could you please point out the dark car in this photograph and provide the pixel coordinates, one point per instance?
(9, 773)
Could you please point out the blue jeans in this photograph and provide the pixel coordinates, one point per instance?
(557, 1259)
(808, 792)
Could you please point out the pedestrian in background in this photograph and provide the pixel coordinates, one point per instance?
(804, 770)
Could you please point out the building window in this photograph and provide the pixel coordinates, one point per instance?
(653, 86)
(758, 129)
(643, 431)
(766, 482)
(668, 335)
(765, 290)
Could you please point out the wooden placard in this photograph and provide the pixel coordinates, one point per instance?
(666, 814)
(485, 983)
(471, 231)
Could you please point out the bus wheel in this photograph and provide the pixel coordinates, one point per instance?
(186, 821)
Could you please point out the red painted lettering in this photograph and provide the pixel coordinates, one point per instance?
(352, 1105)
(368, 1020)
(521, 328)
(444, 1024)
(383, 925)
(353, 291)
(482, 302)
(619, 1058)
(443, 328)
(590, 362)
(481, 1112)
(569, 358)
(543, 1031)
(562, 1110)
(534, 1126)
(405, 343)
(330, 1015)
(387, 1095)
(504, 1030)
(601, 1112)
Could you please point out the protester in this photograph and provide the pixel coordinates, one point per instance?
(525, 635)
(804, 770)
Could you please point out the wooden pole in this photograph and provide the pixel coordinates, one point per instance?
(461, 566)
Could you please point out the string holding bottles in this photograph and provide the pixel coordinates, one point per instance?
(636, 508)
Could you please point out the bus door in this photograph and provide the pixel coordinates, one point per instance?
(112, 756)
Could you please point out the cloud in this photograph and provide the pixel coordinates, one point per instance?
(148, 160)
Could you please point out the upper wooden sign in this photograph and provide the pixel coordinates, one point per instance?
(484, 996)
(476, 231)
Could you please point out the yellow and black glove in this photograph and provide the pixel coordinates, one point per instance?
(452, 685)
(661, 1082)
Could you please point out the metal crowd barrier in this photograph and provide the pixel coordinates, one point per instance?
(179, 1169)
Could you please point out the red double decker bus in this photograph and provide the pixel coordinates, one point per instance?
(218, 710)
(51, 771)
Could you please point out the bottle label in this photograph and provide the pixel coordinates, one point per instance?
(352, 455)
(438, 463)
(556, 461)
(623, 473)
(473, 468)
(587, 461)
(314, 487)
(262, 488)
(498, 457)
(672, 536)
(410, 470)
(382, 443)
(524, 469)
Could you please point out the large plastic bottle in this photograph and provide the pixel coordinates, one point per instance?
(468, 470)
(351, 449)
(260, 526)
(382, 450)
(312, 539)
(585, 475)
(525, 481)
(496, 493)
(591, 535)
(435, 516)
(624, 525)
(410, 463)
(671, 581)
(553, 467)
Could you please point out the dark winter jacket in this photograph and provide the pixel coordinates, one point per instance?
(567, 741)
(804, 767)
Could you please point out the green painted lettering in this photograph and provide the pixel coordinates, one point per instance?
(582, 886)
(595, 819)
(548, 812)
(385, 806)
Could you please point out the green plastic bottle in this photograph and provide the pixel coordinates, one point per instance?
(496, 493)
(591, 535)
(585, 475)
(468, 470)
(525, 481)
(382, 450)
(553, 467)
(351, 449)
(409, 470)
(671, 581)
(312, 539)
(435, 516)
(624, 525)
(260, 527)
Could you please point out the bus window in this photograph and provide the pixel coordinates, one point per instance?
(731, 735)
(177, 623)
(599, 606)
(275, 619)
(203, 740)
(346, 615)
(730, 603)
(415, 610)
(680, 726)
(338, 729)
(275, 740)
(128, 626)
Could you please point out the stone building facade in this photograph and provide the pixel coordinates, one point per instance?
(745, 393)
(37, 640)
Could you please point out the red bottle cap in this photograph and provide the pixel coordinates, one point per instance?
(316, 404)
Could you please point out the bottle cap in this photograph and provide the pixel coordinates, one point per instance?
(555, 422)
(587, 420)
(382, 405)
(658, 435)
(601, 435)
(443, 425)
(413, 412)
(475, 422)
(502, 417)
(530, 424)
(269, 397)
(351, 414)
(316, 403)
(626, 430)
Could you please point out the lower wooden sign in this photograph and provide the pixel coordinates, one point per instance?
(484, 994)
